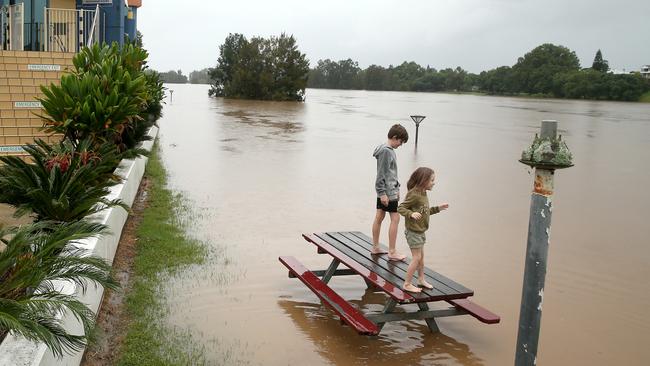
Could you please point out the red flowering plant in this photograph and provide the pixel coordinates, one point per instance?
(60, 161)
(63, 182)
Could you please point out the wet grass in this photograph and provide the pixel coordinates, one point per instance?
(645, 98)
(163, 250)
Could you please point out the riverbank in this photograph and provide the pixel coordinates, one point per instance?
(645, 98)
(131, 327)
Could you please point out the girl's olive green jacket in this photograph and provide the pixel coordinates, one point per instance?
(417, 201)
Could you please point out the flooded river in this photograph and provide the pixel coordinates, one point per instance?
(258, 174)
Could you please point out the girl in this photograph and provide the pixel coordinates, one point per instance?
(416, 210)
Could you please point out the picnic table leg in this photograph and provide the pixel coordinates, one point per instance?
(431, 322)
(371, 285)
(327, 276)
(388, 308)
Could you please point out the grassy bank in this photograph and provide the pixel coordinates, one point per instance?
(645, 98)
(162, 250)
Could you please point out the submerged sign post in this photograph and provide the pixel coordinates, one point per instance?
(417, 120)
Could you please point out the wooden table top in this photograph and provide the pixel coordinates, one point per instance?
(355, 247)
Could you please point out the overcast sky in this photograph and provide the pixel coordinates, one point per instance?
(476, 35)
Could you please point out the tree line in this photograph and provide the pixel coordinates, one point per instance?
(548, 70)
(177, 77)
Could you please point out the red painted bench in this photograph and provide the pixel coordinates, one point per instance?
(477, 311)
(346, 312)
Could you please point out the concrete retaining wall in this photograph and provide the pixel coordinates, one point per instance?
(17, 351)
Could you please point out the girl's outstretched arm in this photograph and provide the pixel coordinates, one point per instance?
(436, 209)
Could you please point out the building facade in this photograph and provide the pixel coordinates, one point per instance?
(645, 71)
(38, 39)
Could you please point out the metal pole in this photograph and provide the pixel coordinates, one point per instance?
(539, 228)
(417, 119)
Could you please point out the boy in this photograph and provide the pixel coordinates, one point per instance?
(387, 188)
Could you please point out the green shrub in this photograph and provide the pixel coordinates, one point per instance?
(100, 100)
(34, 256)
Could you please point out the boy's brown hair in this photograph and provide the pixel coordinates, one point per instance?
(399, 132)
(420, 178)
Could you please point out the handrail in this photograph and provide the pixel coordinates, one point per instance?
(93, 29)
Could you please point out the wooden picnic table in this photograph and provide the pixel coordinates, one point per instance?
(352, 249)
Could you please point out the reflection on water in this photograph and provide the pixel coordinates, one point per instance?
(262, 173)
(399, 341)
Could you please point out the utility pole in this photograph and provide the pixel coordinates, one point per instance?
(545, 155)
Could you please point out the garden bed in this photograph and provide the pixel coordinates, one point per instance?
(19, 351)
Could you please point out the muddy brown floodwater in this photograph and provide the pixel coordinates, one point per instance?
(258, 174)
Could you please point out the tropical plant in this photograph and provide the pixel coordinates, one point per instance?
(36, 260)
(101, 99)
(137, 131)
(156, 92)
(63, 183)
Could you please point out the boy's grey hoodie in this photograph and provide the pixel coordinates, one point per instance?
(386, 183)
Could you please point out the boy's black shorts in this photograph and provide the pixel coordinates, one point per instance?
(392, 206)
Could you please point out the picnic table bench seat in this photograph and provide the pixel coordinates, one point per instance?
(353, 250)
(346, 312)
(477, 311)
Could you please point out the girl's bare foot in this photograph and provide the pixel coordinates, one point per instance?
(396, 256)
(377, 250)
(425, 284)
(410, 288)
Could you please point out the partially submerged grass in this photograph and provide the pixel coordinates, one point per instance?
(163, 250)
(645, 98)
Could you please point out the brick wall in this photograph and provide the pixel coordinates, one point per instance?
(21, 75)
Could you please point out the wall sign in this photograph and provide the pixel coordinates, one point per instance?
(44, 67)
(95, 2)
(28, 105)
(11, 149)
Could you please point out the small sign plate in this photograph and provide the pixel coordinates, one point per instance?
(28, 105)
(44, 67)
(11, 149)
(95, 2)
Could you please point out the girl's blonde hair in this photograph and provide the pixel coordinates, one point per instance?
(420, 178)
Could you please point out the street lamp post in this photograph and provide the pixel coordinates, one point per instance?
(546, 154)
(417, 120)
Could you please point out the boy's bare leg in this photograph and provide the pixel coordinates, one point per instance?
(413, 266)
(421, 279)
(392, 238)
(376, 228)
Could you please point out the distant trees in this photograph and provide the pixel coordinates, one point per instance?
(547, 70)
(328, 74)
(593, 84)
(600, 64)
(409, 76)
(533, 73)
(267, 69)
(200, 76)
(175, 77)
